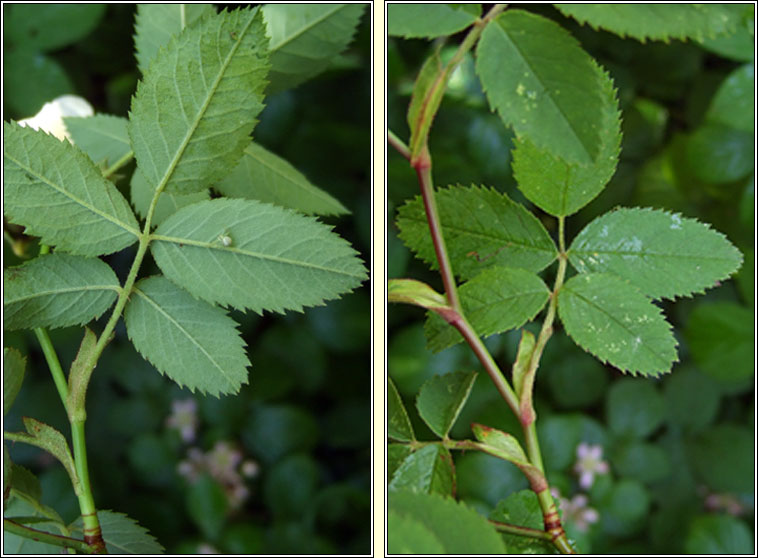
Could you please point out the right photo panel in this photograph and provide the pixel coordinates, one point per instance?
(571, 287)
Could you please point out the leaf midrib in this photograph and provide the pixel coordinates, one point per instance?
(191, 338)
(305, 28)
(483, 236)
(258, 255)
(305, 187)
(602, 310)
(72, 197)
(550, 96)
(188, 136)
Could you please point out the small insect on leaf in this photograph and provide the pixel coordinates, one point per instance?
(225, 239)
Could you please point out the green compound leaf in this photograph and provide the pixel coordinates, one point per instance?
(398, 424)
(193, 343)
(611, 319)
(193, 112)
(168, 202)
(441, 399)
(263, 176)
(663, 254)
(482, 228)
(305, 38)
(427, 20)
(58, 194)
(249, 254)
(103, 137)
(543, 84)
(428, 470)
(497, 300)
(656, 21)
(57, 290)
(155, 24)
(14, 367)
(456, 528)
(560, 187)
(122, 534)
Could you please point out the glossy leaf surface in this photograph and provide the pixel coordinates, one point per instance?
(441, 399)
(497, 300)
(561, 187)
(275, 259)
(611, 319)
(482, 228)
(428, 470)
(656, 21)
(663, 254)
(398, 424)
(542, 84)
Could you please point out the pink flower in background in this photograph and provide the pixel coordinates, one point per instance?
(225, 464)
(589, 462)
(578, 512)
(183, 418)
(724, 502)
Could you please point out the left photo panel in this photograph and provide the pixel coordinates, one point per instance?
(187, 279)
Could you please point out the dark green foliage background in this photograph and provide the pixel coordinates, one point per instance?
(661, 436)
(305, 415)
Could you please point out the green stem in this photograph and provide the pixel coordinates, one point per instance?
(527, 415)
(398, 144)
(521, 531)
(11, 526)
(118, 164)
(423, 168)
(489, 364)
(59, 378)
(92, 533)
